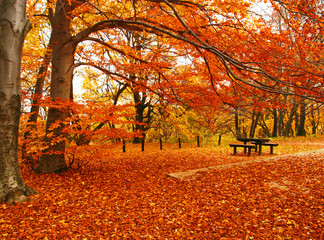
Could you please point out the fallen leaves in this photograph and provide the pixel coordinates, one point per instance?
(128, 196)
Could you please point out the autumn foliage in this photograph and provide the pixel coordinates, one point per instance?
(128, 195)
(207, 57)
(79, 130)
(168, 70)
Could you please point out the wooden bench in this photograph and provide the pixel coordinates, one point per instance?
(245, 146)
(271, 146)
(266, 144)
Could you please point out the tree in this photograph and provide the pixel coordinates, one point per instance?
(35, 106)
(14, 28)
(64, 44)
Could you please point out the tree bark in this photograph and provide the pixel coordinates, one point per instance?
(255, 119)
(14, 26)
(143, 118)
(314, 117)
(140, 107)
(301, 131)
(63, 48)
(281, 123)
(288, 127)
(41, 76)
(237, 124)
(275, 123)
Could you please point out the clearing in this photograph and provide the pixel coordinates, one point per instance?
(129, 196)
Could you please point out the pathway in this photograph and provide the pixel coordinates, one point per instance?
(190, 174)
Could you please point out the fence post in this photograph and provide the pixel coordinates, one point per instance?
(124, 146)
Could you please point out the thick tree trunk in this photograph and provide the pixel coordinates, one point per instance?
(14, 26)
(63, 49)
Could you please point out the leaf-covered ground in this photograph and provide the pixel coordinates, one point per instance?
(128, 196)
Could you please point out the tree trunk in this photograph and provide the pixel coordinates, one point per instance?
(281, 122)
(237, 124)
(144, 116)
(296, 122)
(61, 83)
(254, 124)
(264, 126)
(14, 26)
(139, 124)
(301, 131)
(288, 127)
(275, 123)
(314, 117)
(39, 86)
(35, 104)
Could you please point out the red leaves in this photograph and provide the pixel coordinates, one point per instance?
(127, 195)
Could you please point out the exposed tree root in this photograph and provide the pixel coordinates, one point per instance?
(19, 195)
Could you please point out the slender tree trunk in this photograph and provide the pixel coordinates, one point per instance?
(61, 83)
(281, 122)
(35, 99)
(39, 85)
(275, 123)
(296, 121)
(301, 131)
(314, 118)
(237, 124)
(244, 129)
(14, 26)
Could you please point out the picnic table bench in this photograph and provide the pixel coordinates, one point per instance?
(256, 143)
(271, 146)
(245, 146)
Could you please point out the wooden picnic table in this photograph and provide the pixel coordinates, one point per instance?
(257, 141)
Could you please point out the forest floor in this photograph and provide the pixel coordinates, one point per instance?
(130, 195)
